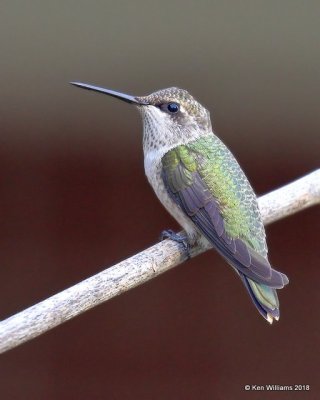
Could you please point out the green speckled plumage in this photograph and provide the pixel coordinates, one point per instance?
(228, 184)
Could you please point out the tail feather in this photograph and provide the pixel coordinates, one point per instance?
(265, 298)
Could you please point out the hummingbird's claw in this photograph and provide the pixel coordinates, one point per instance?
(181, 239)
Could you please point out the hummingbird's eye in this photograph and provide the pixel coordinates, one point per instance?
(173, 107)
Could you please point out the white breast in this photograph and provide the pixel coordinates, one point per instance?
(153, 169)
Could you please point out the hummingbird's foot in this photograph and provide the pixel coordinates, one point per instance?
(181, 239)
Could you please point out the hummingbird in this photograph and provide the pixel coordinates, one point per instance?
(200, 183)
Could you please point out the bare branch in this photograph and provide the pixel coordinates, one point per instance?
(138, 269)
(289, 199)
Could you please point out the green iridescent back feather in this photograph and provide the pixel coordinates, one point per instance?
(228, 184)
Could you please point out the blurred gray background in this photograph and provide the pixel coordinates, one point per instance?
(74, 198)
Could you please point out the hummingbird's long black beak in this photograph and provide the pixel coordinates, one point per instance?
(122, 96)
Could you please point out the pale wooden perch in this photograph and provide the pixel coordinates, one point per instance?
(138, 269)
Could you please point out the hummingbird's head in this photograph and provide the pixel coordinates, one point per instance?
(170, 116)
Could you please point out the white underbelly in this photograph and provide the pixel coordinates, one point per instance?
(153, 172)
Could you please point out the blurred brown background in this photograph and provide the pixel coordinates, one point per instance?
(74, 198)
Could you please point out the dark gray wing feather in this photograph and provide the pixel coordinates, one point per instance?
(191, 193)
